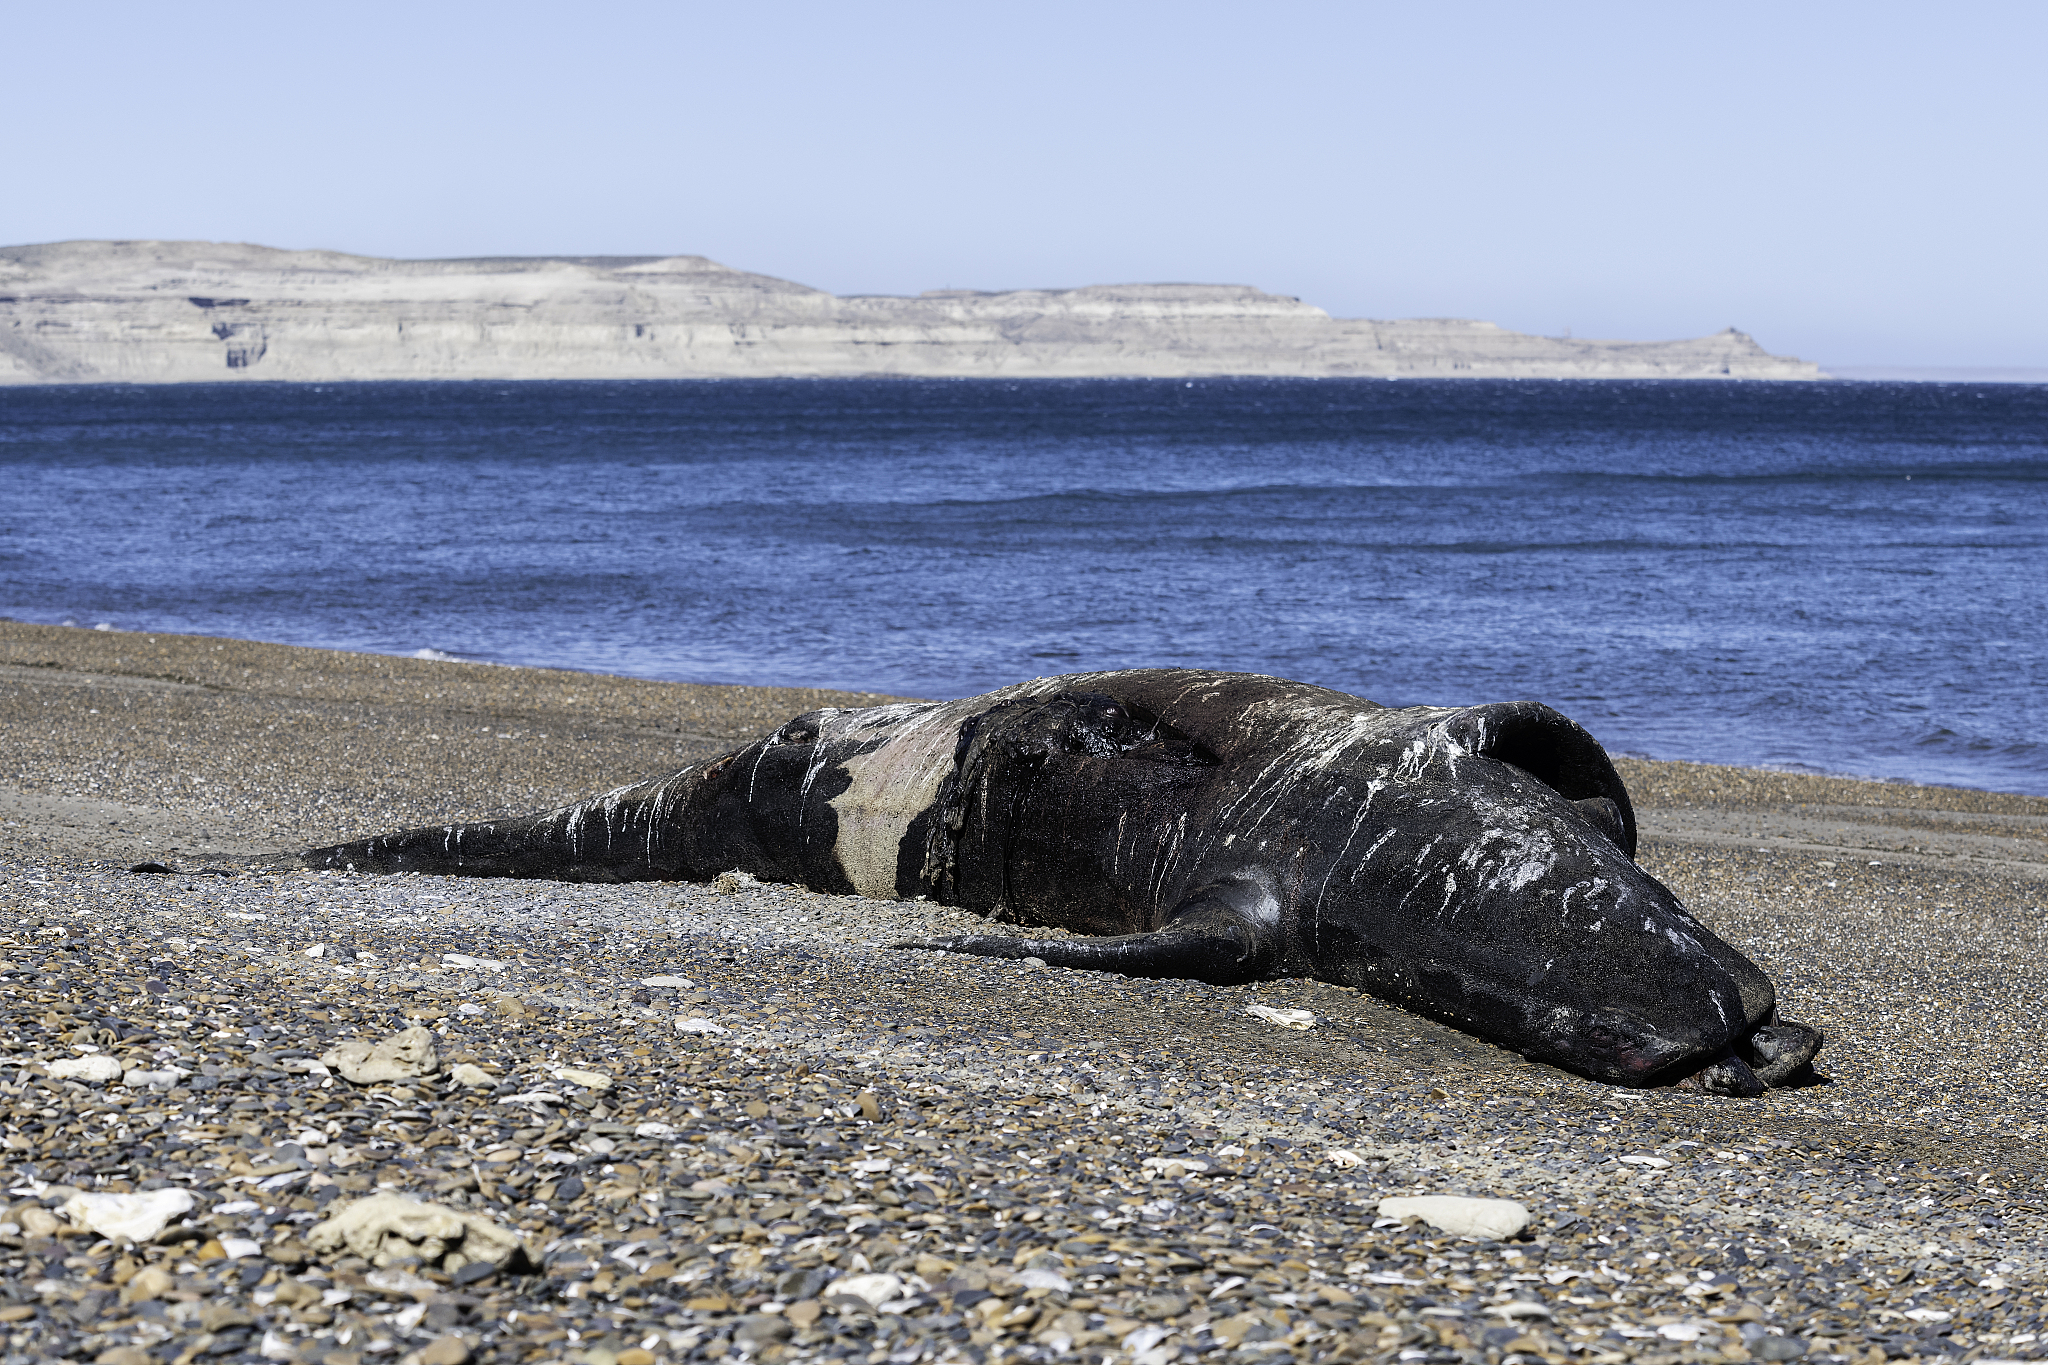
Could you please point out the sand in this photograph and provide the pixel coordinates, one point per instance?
(1897, 1207)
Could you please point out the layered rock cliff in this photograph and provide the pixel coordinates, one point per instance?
(171, 312)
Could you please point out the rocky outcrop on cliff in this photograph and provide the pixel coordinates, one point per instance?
(170, 312)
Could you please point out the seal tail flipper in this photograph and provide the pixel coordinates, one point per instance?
(630, 834)
(1222, 935)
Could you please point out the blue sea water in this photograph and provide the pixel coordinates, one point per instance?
(1845, 577)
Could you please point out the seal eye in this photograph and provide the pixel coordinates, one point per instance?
(1600, 1034)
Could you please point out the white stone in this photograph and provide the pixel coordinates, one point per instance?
(1284, 1018)
(1044, 1279)
(406, 1055)
(400, 1282)
(874, 1290)
(1144, 1338)
(135, 1078)
(1495, 1218)
(384, 1228)
(137, 1217)
(100, 1068)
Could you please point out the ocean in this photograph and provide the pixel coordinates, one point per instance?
(1833, 577)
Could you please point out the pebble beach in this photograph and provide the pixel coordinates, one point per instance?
(630, 1125)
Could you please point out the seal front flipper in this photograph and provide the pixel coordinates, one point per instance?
(1728, 1076)
(1224, 934)
(1779, 1049)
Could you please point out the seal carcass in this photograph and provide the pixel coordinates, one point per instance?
(1474, 864)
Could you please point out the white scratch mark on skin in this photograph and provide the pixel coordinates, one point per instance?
(1365, 859)
(1415, 758)
(660, 809)
(1165, 856)
(1421, 861)
(817, 764)
(1364, 809)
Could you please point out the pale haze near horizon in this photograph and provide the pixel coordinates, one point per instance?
(1853, 184)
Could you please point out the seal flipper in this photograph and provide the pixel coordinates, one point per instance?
(1224, 934)
(1779, 1048)
(1728, 1076)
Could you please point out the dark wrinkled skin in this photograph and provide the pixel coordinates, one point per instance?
(1472, 864)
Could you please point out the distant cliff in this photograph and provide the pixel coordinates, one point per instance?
(173, 312)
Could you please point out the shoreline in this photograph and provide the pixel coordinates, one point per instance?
(800, 692)
(1029, 1118)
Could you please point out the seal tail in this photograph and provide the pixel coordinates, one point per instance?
(1222, 935)
(629, 834)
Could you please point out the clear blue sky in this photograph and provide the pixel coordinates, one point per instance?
(1853, 183)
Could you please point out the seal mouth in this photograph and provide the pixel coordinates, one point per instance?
(1615, 1046)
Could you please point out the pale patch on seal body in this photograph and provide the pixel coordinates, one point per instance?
(1475, 864)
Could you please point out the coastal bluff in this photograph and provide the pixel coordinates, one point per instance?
(184, 312)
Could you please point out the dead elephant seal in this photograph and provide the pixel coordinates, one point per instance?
(1474, 864)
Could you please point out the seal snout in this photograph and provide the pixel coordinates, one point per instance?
(1609, 1044)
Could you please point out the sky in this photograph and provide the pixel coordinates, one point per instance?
(1856, 184)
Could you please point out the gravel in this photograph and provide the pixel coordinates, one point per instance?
(733, 1123)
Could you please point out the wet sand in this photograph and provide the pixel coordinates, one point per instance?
(1904, 921)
